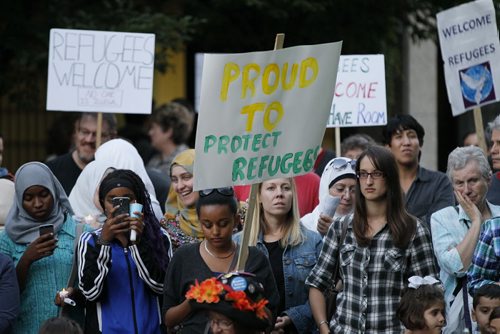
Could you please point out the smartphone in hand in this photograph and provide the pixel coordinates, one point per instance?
(123, 204)
(45, 229)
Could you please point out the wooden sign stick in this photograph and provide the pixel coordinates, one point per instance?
(337, 142)
(98, 136)
(252, 200)
(478, 123)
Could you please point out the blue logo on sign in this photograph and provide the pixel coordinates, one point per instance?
(476, 83)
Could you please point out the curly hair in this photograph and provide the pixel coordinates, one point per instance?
(152, 233)
(176, 117)
(414, 303)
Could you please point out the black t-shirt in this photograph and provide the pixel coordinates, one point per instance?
(276, 259)
(66, 171)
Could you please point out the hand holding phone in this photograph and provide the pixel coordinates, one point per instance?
(46, 229)
(122, 204)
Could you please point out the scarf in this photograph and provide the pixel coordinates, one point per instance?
(188, 219)
(113, 154)
(20, 226)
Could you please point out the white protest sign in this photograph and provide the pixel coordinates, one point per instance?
(470, 48)
(360, 98)
(263, 114)
(100, 71)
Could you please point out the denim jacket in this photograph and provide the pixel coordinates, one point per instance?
(298, 261)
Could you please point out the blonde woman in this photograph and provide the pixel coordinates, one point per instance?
(291, 248)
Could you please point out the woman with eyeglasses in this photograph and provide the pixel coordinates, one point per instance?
(383, 247)
(292, 250)
(337, 187)
(217, 254)
(181, 220)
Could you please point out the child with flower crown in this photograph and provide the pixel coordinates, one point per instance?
(422, 306)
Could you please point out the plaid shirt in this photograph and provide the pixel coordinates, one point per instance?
(373, 277)
(485, 267)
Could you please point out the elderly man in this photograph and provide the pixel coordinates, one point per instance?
(455, 230)
(68, 167)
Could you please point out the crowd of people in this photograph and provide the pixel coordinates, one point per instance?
(105, 240)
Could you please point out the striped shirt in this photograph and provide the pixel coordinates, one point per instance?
(373, 277)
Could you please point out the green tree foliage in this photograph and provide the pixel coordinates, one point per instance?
(364, 26)
(25, 26)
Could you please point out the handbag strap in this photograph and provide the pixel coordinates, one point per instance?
(465, 295)
(74, 265)
(343, 234)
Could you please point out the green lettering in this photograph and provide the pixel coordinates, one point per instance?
(308, 162)
(286, 169)
(256, 142)
(236, 143)
(245, 141)
(262, 164)
(273, 171)
(276, 134)
(223, 141)
(316, 152)
(252, 165)
(296, 162)
(209, 142)
(264, 140)
(238, 166)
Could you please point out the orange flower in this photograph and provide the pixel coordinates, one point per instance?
(260, 308)
(208, 291)
(240, 300)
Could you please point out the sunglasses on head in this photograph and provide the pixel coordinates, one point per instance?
(340, 164)
(226, 191)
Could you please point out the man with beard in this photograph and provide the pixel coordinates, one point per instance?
(68, 167)
(425, 191)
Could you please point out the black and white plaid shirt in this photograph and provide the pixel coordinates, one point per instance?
(373, 277)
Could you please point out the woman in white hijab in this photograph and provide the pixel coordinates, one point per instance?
(336, 195)
(113, 154)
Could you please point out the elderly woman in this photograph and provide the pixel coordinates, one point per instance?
(43, 261)
(337, 186)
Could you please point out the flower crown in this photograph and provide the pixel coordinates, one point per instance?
(212, 291)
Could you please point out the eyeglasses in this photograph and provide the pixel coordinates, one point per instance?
(221, 323)
(375, 175)
(342, 163)
(226, 191)
(85, 133)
